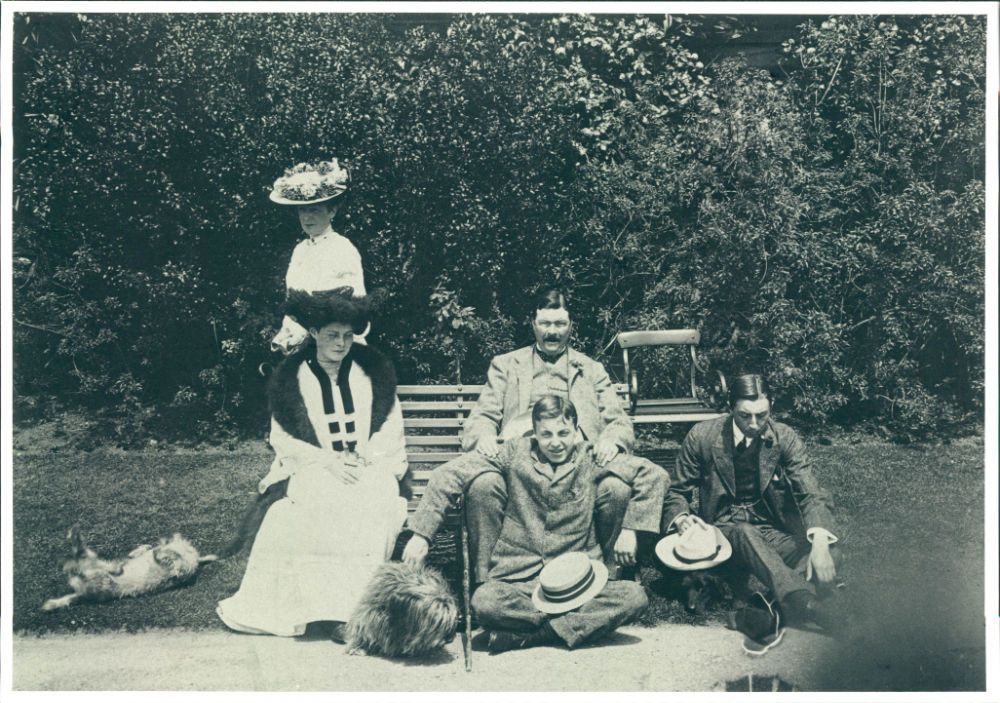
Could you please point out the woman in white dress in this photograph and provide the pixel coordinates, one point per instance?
(337, 435)
(325, 260)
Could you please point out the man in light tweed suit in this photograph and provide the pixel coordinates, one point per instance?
(515, 382)
(551, 481)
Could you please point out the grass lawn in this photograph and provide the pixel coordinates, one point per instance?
(912, 522)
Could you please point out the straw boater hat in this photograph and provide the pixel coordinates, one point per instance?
(307, 184)
(700, 547)
(569, 581)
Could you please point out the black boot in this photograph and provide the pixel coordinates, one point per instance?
(504, 641)
(803, 606)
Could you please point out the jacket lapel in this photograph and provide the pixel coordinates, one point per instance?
(575, 368)
(524, 374)
(722, 453)
(770, 452)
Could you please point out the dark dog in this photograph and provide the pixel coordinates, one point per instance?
(407, 611)
(147, 569)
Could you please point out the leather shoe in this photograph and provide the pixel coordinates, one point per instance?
(805, 607)
(503, 641)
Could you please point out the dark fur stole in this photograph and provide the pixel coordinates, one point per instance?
(288, 408)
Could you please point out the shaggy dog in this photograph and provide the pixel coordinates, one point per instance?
(147, 569)
(407, 611)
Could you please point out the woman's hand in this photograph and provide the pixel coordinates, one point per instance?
(347, 468)
(625, 547)
(416, 550)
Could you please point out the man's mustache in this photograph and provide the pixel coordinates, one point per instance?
(553, 338)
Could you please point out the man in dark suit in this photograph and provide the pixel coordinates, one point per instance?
(756, 484)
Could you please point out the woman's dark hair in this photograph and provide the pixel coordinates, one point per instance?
(316, 310)
(548, 298)
(340, 204)
(748, 386)
(553, 406)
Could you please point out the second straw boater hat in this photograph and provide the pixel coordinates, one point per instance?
(569, 581)
(700, 547)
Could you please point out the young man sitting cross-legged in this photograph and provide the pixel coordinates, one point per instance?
(551, 482)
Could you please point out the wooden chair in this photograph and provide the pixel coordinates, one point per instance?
(684, 407)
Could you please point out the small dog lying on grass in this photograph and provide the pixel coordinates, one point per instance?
(407, 611)
(147, 569)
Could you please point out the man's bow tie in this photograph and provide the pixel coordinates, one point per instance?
(550, 358)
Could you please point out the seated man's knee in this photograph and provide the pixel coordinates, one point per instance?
(612, 488)
(742, 533)
(487, 487)
(635, 597)
(484, 599)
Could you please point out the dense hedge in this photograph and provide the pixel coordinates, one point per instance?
(828, 225)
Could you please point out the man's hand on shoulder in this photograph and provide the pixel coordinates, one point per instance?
(488, 447)
(605, 450)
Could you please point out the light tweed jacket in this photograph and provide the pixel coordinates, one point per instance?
(549, 510)
(507, 395)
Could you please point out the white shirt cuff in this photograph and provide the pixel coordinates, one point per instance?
(830, 537)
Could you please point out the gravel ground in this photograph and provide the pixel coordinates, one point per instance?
(664, 658)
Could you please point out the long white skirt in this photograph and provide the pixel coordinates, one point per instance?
(315, 553)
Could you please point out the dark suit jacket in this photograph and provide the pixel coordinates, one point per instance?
(788, 487)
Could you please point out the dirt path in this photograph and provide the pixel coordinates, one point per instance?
(664, 658)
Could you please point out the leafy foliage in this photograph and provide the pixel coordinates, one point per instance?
(827, 226)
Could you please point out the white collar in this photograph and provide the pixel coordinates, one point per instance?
(328, 233)
(738, 436)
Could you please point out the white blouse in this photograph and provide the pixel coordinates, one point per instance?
(324, 262)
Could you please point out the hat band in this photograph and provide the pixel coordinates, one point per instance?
(718, 548)
(565, 594)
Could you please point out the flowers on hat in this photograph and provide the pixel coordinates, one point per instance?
(312, 182)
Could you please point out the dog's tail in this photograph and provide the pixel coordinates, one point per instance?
(252, 519)
(207, 558)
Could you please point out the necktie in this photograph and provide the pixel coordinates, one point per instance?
(549, 358)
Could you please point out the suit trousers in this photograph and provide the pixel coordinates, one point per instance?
(503, 605)
(775, 557)
(486, 498)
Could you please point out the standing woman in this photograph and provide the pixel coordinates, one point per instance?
(337, 435)
(324, 260)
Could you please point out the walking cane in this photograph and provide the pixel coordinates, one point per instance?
(467, 609)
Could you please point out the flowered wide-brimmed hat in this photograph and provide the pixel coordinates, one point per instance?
(306, 184)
